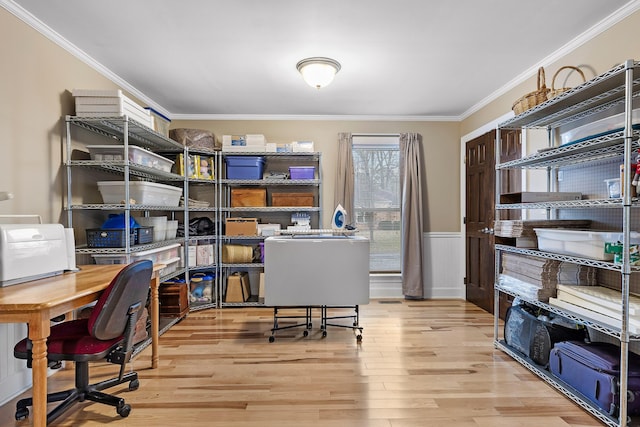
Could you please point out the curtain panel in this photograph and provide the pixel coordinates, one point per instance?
(412, 216)
(345, 177)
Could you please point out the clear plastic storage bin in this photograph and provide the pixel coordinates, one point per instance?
(144, 193)
(137, 155)
(580, 243)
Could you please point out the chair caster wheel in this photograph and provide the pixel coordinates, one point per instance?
(22, 413)
(124, 410)
(305, 333)
(272, 338)
(324, 334)
(134, 384)
(359, 338)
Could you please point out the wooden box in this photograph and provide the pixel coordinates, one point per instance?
(238, 288)
(174, 300)
(538, 197)
(241, 227)
(248, 197)
(292, 199)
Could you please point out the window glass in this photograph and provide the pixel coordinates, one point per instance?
(376, 162)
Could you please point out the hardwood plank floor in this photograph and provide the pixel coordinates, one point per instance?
(420, 363)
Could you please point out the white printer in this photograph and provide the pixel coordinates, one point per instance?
(32, 251)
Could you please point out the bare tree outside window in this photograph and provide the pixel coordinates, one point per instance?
(376, 161)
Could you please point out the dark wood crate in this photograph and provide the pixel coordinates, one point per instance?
(174, 300)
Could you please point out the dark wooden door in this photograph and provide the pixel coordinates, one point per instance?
(479, 215)
(480, 211)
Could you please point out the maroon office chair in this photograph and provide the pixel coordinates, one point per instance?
(106, 335)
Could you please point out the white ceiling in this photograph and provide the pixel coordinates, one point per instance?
(400, 58)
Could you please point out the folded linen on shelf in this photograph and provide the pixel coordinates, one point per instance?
(526, 290)
(193, 203)
(634, 323)
(598, 303)
(599, 298)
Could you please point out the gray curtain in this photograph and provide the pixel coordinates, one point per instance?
(412, 229)
(345, 180)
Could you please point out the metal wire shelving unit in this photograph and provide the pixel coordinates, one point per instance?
(122, 130)
(279, 161)
(616, 88)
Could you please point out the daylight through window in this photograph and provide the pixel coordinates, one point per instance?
(376, 162)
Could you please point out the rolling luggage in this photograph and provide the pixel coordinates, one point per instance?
(593, 369)
(533, 337)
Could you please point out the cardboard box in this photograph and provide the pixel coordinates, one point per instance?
(248, 197)
(261, 289)
(241, 226)
(238, 288)
(292, 199)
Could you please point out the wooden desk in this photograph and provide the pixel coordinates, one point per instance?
(36, 302)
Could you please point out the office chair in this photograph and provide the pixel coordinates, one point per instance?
(106, 335)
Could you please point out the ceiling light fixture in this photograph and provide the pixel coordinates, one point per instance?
(317, 71)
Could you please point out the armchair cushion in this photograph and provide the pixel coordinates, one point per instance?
(69, 340)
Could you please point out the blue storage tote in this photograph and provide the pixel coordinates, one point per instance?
(244, 167)
(302, 172)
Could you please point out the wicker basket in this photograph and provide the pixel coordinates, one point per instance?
(534, 98)
(553, 92)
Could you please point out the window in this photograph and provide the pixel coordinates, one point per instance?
(377, 196)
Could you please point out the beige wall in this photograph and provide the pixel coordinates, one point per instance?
(440, 151)
(598, 55)
(36, 77)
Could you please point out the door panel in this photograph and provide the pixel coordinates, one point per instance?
(480, 212)
(480, 200)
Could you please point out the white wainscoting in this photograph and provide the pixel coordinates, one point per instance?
(443, 265)
(15, 377)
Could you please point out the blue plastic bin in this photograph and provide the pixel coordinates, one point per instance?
(244, 167)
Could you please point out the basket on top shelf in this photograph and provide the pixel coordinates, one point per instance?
(553, 92)
(543, 93)
(534, 98)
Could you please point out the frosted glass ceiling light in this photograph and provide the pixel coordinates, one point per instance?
(318, 72)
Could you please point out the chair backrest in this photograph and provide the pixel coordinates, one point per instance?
(109, 316)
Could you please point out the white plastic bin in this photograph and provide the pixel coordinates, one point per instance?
(172, 229)
(144, 193)
(580, 243)
(159, 224)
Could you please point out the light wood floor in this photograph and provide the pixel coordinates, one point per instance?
(427, 363)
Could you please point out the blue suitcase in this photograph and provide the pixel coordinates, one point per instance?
(593, 369)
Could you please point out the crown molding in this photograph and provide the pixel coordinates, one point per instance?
(312, 117)
(35, 23)
(569, 47)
